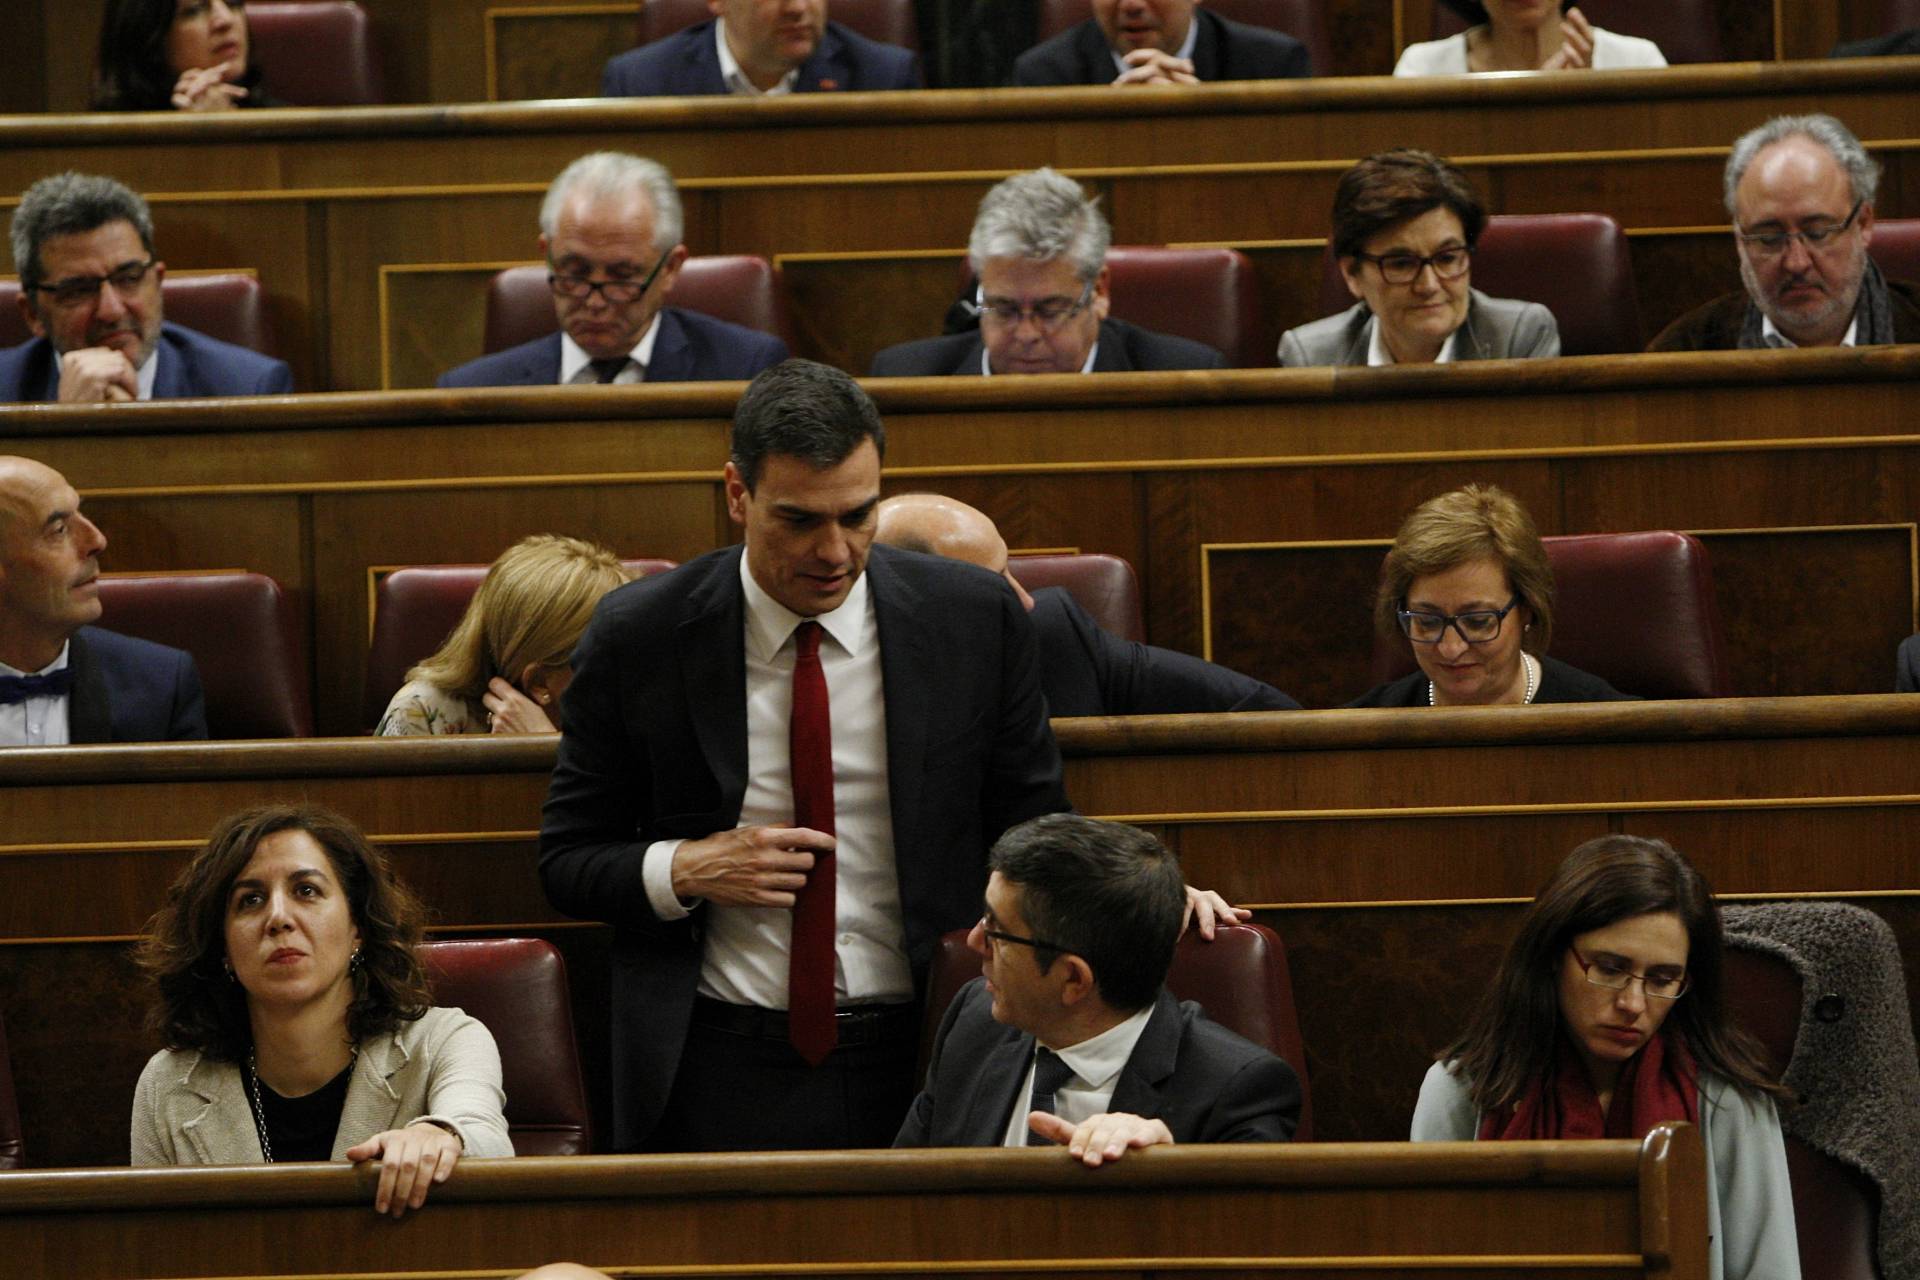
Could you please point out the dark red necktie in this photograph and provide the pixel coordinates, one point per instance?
(810, 744)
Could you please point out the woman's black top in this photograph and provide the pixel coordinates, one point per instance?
(1558, 683)
(304, 1128)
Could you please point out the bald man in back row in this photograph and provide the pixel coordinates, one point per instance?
(1084, 670)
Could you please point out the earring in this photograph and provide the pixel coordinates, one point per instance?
(353, 962)
(543, 697)
(227, 964)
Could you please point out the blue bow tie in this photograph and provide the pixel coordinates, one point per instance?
(19, 688)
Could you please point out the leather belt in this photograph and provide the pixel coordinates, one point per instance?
(856, 1024)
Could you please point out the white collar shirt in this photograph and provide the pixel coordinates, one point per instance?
(746, 948)
(40, 721)
(1781, 342)
(576, 366)
(1096, 1064)
(736, 79)
(1378, 355)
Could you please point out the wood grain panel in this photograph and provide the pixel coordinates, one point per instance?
(557, 54)
(846, 308)
(432, 319)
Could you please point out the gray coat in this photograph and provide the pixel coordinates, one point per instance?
(1495, 329)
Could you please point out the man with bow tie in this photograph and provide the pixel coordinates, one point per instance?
(61, 680)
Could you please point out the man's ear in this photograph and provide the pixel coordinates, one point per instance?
(30, 312)
(1077, 983)
(1102, 300)
(737, 495)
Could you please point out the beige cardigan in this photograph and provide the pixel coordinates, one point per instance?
(189, 1109)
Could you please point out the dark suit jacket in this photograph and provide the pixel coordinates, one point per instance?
(1899, 44)
(691, 348)
(128, 690)
(655, 748)
(1716, 325)
(1222, 50)
(1086, 671)
(1123, 348)
(1206, 1083)
(1906, 677)
(191, 364)
(686, 63)
(1558, 683)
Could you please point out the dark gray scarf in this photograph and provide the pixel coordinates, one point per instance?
(1873, 312)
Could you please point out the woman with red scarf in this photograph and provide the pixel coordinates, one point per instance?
(1606, 1018)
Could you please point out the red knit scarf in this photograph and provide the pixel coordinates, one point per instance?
(1658, 1083)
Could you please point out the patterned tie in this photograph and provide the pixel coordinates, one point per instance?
(605, 371)
(1050, 1071)
(19, 688)
(810, 1008)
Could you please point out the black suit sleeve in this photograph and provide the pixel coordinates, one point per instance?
(1141, 679)
(1023, 779)
(189, 719)
(1907, 677)
(1260, 1103)
(917, 1128)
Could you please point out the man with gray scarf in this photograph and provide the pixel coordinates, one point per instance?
(1800, 191)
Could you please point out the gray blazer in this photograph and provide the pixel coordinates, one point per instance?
(1495, 329)
(189, 1109)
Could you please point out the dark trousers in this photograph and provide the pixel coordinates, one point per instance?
(740, 1091)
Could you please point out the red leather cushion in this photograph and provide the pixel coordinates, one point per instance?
(414, 609)
(1103, 585)
(242, 633)
(1896, 245)
(735, 287)
(1301, 19)
(316, 53)
(1240, 978)
(1896, 15)
(1685, 30)
(888, 21)
(228, 305)
(518, 988)
(1209, 295)
(1635, 609)
(1576, 265)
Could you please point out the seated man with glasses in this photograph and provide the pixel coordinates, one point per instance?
(90, 292)
(1467, 584)
(1070, 1035)
(610, 231)
(1039, 250)
(1800, 191)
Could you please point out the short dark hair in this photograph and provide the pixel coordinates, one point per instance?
(131, 72)
(807, 410)
(1392, 186)
(197, 1005)
(71, 204)
(1106, 892)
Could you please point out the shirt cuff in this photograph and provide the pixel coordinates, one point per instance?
(656, 873)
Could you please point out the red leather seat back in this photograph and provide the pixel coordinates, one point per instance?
(1576, 265)
(735, 287)
(1896, 243)
(1685, 30)
(1897, 15)
(518, 988)
(228, 305)
(1208, 295)
(1241, 979)
(1103, 585)
(243, 635)
(1635, 609)
(888, 21)
(414, 610)
(316, 53)
(13, 1147)
(1301, 19)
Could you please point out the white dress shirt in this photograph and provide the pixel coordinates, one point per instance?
(40, 721)
(576, 366)
(736, 79)
(1096, 1064)
(1781, 342)
(1378, 354)
(746, 948)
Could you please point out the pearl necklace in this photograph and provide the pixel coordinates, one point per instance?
(1527, 660)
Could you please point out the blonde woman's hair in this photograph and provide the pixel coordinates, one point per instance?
(1479, 522)
(529, 611)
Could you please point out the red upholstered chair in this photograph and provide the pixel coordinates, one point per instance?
(1105, 586)
(13, 1148)
(1576, 265)
(228, 305)
(735, 287)
(1209, 295)
(1241, 979)
(1896, 246)
(1301, 19)
(888, 21)
(242, 633)
(1635, 609)
(1685, 30)
(415, 608)
(1898, 15)
(518, 988)
(316, 53)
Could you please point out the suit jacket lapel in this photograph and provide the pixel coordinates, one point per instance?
(1095, 56)
(969, 361)
(671, 361)
(372, 1105)
(716, 692)
(904, 673)
(89, 715)
(1143, 1080)
(1112, 356)
(1207, 52)
(170, 381)
(543, 362)
(828, 69)
(984, 1113)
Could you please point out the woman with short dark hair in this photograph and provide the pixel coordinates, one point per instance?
(182, 55)
(1607, 1016)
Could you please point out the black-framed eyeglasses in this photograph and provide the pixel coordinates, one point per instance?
(617, 292)
(999, 935)
(1772, 244)
(1605, 971)
(1405, 268)
(1476, 626)
(74, 290)
(1047, 314)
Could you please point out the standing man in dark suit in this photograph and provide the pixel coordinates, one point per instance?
(90, 292)
(755, 48)
(1070, 1035)
(1084, 669)
(62, 681)
(1129, 42)
(1039, 250)
(610, 231)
